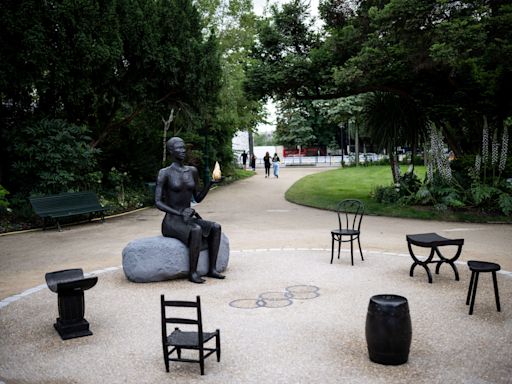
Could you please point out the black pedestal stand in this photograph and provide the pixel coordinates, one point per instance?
(70, 285)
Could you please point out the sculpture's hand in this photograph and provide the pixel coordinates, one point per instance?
(188, 214)
(216, 181)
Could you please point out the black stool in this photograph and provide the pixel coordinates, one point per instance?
(481, 266)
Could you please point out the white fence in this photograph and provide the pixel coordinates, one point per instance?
(324, 161)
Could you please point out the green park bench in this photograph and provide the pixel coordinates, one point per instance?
(55, 207)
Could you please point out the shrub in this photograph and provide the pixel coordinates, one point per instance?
(387, 194)
(51, 156)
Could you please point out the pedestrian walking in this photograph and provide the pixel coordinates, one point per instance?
(275, 164)
(244, 159)
(253, 162)
(266, 161)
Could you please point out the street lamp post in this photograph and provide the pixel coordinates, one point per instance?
(341, 143)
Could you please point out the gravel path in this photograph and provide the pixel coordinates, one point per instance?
(275, 245)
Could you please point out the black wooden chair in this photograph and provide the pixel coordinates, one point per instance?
(194, 339)
(350, 213)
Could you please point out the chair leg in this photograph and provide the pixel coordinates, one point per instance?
(360, 251)
(496, 294)
(352, 250)
(473, 295)
(201, 359)
(332, 248)
(201, 365)
(470, 287)
(217, 342)
(178, 352)
(166, 359)
(339, 247)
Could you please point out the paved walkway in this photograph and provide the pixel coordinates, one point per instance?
(275, 245)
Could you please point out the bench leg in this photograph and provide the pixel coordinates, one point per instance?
(58, 226)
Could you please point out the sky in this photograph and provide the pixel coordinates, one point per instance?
(259, 6)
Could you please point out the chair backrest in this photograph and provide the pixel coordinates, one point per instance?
(196, 320)
(350, 213)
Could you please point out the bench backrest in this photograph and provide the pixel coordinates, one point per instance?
(44, 205)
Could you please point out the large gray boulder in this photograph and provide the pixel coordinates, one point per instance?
(162, 258)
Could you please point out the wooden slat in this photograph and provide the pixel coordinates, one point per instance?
(177, 303)
(177, 320)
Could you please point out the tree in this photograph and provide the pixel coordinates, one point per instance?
(54, 157)
(114, 66)
(234, 23)
(394, 122)
(448, 57)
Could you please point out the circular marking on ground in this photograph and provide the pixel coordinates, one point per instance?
(276, 299)
(303, 292)
(247, 303)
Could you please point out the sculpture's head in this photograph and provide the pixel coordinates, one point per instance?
(176, 148)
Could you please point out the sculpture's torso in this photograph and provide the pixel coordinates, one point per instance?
(178, 187)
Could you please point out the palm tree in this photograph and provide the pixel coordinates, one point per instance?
(393, 120)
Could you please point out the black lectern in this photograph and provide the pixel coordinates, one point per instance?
(70, 285)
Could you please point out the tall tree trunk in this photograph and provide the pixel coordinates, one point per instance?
(394, 165)
(167, 124)
(356, 134)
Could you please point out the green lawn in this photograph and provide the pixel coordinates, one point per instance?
(324, 190)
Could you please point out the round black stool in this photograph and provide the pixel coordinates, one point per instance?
(388, 329)
(481, 266)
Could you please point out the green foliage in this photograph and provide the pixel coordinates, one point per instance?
(263, 139)
(3, 200)
(386, 195)
(325, 189)
(449, 59)
(52, 156)
(116, 67)
(505, 203)
(409, 184)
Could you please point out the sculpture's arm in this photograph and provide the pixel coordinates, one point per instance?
(199, 196)
(159, 198)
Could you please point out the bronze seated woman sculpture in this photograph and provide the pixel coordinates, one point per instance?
(175, 187)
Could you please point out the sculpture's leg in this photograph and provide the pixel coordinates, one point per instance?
(194, 248)
(213, 251)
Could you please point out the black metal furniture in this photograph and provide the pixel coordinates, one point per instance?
(388, 329)
(350, 213)
(482, 266)
(70, 284)
(194, 339)
(433, 241)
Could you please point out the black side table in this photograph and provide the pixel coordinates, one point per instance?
(388, 329)
(433, 241)
(70, 285)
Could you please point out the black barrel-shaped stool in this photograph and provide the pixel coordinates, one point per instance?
(482, 266)
(388, 329)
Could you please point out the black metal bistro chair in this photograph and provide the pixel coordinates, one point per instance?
(350, 213)
(194, 339)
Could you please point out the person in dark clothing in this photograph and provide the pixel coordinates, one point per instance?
(244, 159)
(266, 161)
(253, 162)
